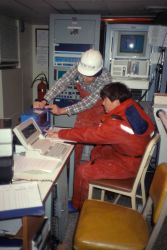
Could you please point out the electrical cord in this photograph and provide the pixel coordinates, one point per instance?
(158, 72)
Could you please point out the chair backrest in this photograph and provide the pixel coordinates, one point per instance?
(158, 190)
(158, 201)
(146, 160)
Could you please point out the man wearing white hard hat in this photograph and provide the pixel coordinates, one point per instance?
(92, 77)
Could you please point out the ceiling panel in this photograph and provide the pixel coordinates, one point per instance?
(38, 11)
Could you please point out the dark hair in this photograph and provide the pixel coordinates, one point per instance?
(116, 91)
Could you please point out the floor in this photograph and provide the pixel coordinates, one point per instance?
(68, 240)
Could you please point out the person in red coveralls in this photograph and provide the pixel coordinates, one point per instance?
(120, 140)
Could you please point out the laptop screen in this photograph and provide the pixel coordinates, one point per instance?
(27, 132)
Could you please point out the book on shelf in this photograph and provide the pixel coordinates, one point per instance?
(10, 227)
(20, 199)
(35, 169)
(160, 98)
(10, 244)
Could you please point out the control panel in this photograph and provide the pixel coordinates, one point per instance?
(130, 68)
(70, 36)
(127, 54)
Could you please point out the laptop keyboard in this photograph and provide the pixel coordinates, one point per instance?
(58, 151)
(43, 145)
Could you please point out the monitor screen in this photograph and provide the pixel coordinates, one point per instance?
(131, 43)
(29, 130)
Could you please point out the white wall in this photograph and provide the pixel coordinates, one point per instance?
(11, 87)
(26, 66)
(40, 62)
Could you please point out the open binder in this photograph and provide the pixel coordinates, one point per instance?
(20, 199)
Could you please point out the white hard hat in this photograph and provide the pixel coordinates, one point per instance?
(91, 63)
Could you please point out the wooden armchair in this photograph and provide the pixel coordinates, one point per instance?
(127, 187)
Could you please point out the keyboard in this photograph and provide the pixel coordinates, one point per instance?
(59, 151)
(43, 145)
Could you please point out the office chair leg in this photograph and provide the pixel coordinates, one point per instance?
(133, 202)
(90, 192)
(102, 195)
(117, 199)
(143, 193)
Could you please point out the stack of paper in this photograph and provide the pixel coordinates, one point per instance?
(160, 99)
(28, 168)
(10, 244)
(10, 227)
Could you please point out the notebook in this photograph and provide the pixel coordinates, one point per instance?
(20, 199)
(34, 169)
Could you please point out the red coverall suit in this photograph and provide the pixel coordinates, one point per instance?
(87, 118)
(119, 159)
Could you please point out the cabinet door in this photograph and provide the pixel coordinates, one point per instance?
(75, 33)
(61, 206)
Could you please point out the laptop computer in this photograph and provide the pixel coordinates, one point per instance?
(36, 144)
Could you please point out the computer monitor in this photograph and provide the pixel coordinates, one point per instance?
(130, 44)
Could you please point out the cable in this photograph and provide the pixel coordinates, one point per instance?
(158, 72)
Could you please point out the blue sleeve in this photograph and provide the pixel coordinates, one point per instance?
(138, 124)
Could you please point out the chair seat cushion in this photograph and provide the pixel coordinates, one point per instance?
(119, 184)
(103, 225)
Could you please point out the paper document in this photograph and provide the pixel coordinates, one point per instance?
(20, 199)
(10, 227)
(28, 168)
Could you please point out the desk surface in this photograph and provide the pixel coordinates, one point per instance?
(45, 186)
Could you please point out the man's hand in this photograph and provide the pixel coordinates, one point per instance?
(56, 110)
(52, 133)
(39, 105)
